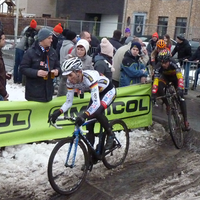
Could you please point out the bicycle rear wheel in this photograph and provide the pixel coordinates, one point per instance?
(67, 179)
(175, 124)
(116, 156)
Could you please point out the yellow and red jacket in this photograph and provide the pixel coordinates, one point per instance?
(173, 70)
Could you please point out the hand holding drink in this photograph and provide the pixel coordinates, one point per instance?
(54, 73)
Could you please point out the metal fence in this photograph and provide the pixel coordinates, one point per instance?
(102, 29)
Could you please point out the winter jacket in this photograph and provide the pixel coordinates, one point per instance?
(131, 70)
(196, 56)
(36, 88)
(3, 91)
(102, 64)
(116, 43)
(30, 37)
(54, 41)
(64, 50)
(183, 49)
(151, 46)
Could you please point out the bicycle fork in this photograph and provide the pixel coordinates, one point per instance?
(75, 144)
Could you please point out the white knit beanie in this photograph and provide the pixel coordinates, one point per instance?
(106, 47)
(84, 43)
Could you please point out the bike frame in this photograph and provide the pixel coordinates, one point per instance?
(78, 135)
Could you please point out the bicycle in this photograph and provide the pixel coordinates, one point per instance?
(175, 117)
(73, 157)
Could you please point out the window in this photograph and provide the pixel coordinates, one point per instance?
(139, 24)
(181, 24)
(162, 25)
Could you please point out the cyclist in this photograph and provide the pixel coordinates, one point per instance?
(102, 95)
(168, 70)
(160, 45)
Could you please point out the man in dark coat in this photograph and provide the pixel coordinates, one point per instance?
(3, 74)
(40, 65)
(195, 57)
(115, 40)
(183, 49)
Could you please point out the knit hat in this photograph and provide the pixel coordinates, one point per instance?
(70, 35)
(58, 28)
(127, 30)
(181, 37)
(33, 24)
(137, 45)
(155, 35)
(84, 43)
(106, 47)
(43, 34)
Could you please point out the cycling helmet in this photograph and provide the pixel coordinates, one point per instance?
(161, 44)
(164, 55)
(71, 64)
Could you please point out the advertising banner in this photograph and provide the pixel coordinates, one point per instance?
(26, 121)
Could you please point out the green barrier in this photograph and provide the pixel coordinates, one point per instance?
(26, 121)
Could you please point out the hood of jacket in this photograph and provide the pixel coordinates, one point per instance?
(66, 42)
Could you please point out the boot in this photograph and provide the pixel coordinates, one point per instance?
(193, 88)
(109, 141)
(186, 92)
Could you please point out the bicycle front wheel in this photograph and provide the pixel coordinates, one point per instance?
(65, 178)
(116, 156)
(175, 124)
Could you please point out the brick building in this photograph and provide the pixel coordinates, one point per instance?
(164, 16)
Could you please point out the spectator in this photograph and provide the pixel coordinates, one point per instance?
(126, 35)
(3, 74)
(103, 61)
(183, 49)
(115, 40)
(57, 30)
(196, 57)
(30, 34)
(168, 41)
(61, 38)
(80, 51)
(67, 47)
(119, 55)
(94, 41)
(40, 65)
(152, 44)
(85, 35)
(132, 70)
(19, 52)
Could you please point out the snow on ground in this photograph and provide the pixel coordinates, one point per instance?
(16, 91)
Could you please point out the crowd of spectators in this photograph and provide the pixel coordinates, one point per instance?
(123, 59)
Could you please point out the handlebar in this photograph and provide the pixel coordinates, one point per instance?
(73, 119)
